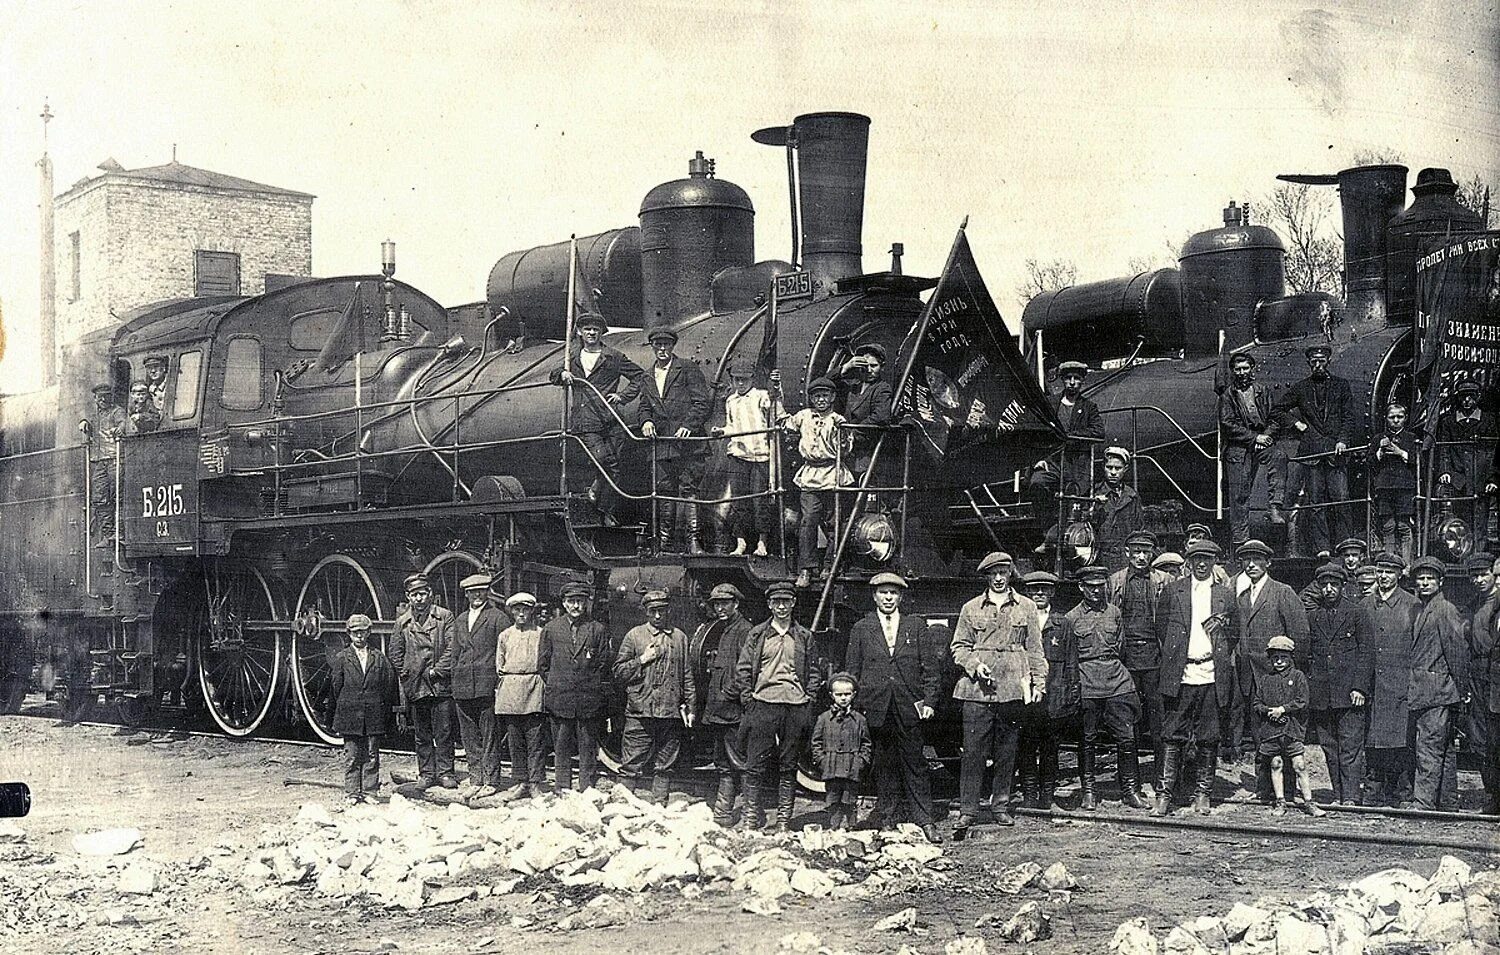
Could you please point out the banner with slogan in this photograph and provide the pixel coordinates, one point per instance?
(1458, 316)
(964, 381)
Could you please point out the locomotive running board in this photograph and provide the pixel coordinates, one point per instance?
(528, 505)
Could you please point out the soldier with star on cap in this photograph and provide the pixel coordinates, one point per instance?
(1392, 611)
(421, 650)
(1320, 409)
(717, 643)
(472, 633)
(1116, 513)
(1110, 701)
(1340, 672)
(657, 670)
(675, 404)
(575, 656)
(1439, 689)
(363, 691)
(1056, 716)
(899, 672)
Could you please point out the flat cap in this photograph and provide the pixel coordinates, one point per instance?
(1203, 548)
(781, 588)
(1480, 563)
(590, 318)
(1278, 642)
(660, 332)
(822, 384)
(872, 348)
(1167, 559)
(1318, 351)
(888, 578)
(652, 598)
(1468, 388)
(103, 388)
(577, 588)
(1352, 543)
(1115, 451)
(1141, 539)
(1389, 559)
(1331, 572)
(995, 558)
(725, 592)
(1197, 528)
(156, 359)
(741, 369)
(358, 621)
(1040, 578)
(1364, 572)
(1429, 565)
(520, 599)
(1068, 366)
(1093, 574)
(417, 582)
(1253, 548)
(1241, 356)
(476, 582)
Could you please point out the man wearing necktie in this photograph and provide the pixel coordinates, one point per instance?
(1266, 608)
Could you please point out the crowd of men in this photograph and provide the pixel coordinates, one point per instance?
(1171, 659)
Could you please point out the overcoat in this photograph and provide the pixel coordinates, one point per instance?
(422, 654)
(890, 684)
(1174, 624)
(1342, 659)
(363, 698)
(1485, 655)
(841, 744)
(1389, 713)
(1439, 655)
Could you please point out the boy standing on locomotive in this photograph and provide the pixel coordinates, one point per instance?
(1394, 483)
(1116, 513)
(750, 415)
(823, 443)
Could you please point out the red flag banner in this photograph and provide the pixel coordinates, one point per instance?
(347, 338)
(1458, 316)
(965, 381)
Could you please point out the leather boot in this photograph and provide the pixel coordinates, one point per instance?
(1086, 777)
(690, 525)
(665, 523)
(1208, 767)
(661, 789)
(786, 795)
(1047, 792)
(1030, 783)
(1171, 761)
(752, 816)
(1129, 775)
(724, 801)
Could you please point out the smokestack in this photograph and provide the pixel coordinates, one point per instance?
(1368, 197)
(47, 311)
(831, 149)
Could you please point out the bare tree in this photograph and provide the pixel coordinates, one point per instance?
(1046, 277)
(1376, 157)
(1303, 216)
(1474, 193)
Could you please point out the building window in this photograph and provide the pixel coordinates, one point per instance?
(216, 273)
(75, 266)
(185, 395)
(242, 374)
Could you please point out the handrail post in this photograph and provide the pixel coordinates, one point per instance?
(906, 489)
(656, 503)
(779, 501)
(458, 413)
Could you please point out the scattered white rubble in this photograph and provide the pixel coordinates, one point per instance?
(1018, 877)
(1134, 938)
(966, 945)
(1057, 878)
(903, 921)
(106, 842)
(138, 878)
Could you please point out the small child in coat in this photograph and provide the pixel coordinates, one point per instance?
(841, 746)
(1279, 701)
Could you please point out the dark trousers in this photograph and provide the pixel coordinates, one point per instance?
(1490, 774)
(1241, 465)
(1192, 716)
(1324, 481)
(1232, 722)
(817, 511)
(727, 737)
(901, 782)
(1435, 775)
(990, 730)
(524, 732)
(1041, 734)
(840, 793)
(753, 519)
(1116, 714)
(1148, 733)
(678, 476)
(1388, 770)
(776, 730)
(476, 727)
(649, 746)
(362, 767)
(575, 737)
(1341, 733)
(432, 721)
(602, 457)
(1477, 719)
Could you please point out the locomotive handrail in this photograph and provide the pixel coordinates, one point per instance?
(400, 405)
(1134, 409)
(1143, 456)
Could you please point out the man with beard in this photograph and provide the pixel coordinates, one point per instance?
(1320, 408)
(1439, 688)
(1387, 758)
(1197, 635)
(595, 372)
(1248, 425)
(1340, 671)
(899, 672)
(1266, 608)
(1056, 715)
(726, 633)
(421, 651)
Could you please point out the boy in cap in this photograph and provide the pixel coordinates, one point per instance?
(822, 444)
(602, 379)
(519, 690)
(1320, 408)
(1082, 424)
(1248, 427)
(1392, 611)
(1054, 716)
(841, 748)
(472, 633)
(1393, 482)
(660, 694)
(1466, 445)
(421, 650)
(719, 641)
(1116, 513)
(1279, 702)
(1109, 696)
(364, 693)
(576, 653)
(1340, 671)
(997, 644)
(1438, 691)
(675, 405)
(749, 415)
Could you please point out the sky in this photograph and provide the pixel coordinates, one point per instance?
(1096, 132)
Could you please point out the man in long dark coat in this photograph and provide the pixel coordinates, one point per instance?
(718, 643)
(421, 652)
(1266, 608)
(1340, 671)
(1439, 688)
(1387, 758)
(1248, 426)
(364, 692)
(473, 632)
(1321, 408)
(576, 654)
(675, 405)
(602, 379)
(899, 669)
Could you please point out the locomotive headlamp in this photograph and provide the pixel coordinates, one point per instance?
(388, 258)
(874, 537)
(1452, 539)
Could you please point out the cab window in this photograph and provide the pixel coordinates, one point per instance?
(185, 393)
(242, 374)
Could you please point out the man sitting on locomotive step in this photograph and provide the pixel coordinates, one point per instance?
(1320, 408)
(822, 443)
(1248, 426)
(656, 668)
(595, 369)
(750, 416)
(1116, 513)
(364, 692)
(675, 405)
(473, 633)
(575, 660)
(421, 651)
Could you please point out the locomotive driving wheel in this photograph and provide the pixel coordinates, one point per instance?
(336, 588)
(239, 634)
(445, 572)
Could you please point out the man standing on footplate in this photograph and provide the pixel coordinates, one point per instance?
(421, 651)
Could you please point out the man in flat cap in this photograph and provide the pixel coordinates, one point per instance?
(421, 650)
(1340, 672)
(1248, 427)
(106, 427)
(1392, 612)
(1056, 715)
(154, 369)
(1137, 590)
(1484, 680)
(1082, 424)
(899, 670)
(867, 399)
(1197, 631)
(778, 678)
(1170, 563)
(1439, 689)
(576, 654)
(657, 670)
(997, 644)
(473, 632)
(1321, 410)
(141, 414)
(1200, 532)
(1393, 483)
(1116, 513)
(364, 693)
(1266, 608)
(718, 643)
(1109, 698)
(1350, 556)
(675, 405)
(824, 446)
(1466, 446)
(602, 379)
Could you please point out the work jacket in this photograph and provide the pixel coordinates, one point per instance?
(747, 671)
(1342, 657)
(1142, 651)
(892, 682)
(1389, 715)
(590, 412)
(575, 663)
(1117, 516)
(519, 687)
(422, 653)
(1439, 655)
(1484, 658)
(659, 689)
(474, 652)
(720, 704)
(1174, 623)
(363, 697)
(1006, 636)
(1064, 682)
(1237, 428)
